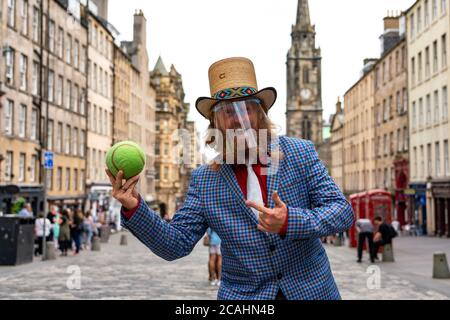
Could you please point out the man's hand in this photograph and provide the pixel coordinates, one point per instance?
(126, 194)
(271, 220)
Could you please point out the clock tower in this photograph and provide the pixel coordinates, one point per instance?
(304, 89)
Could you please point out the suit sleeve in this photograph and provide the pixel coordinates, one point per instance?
(331, 213)
(173, 240)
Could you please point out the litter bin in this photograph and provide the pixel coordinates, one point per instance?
(16, 240)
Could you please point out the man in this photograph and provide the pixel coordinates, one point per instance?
(270, 204)
(26, 212)
(383, 236)
(365, 230)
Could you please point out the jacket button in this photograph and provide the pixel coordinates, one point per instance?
(279, 276)
(272, 247)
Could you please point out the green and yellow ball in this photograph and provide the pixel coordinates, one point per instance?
(127, 156)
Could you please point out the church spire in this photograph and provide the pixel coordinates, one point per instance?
(303, 19)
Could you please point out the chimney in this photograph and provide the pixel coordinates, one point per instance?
(102, 6)
(140, 29)
(391, 34)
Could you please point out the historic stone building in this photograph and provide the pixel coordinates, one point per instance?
(337, 146)
(391, 117)
(171, 120)
(122, 95)
(359, 135)
(44, 107)
(427, 24)
(100, 103)
(143, 104)
(304, 89)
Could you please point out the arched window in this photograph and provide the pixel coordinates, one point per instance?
(305, 75)
(306, 129)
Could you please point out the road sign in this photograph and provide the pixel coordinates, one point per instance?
(48, 160)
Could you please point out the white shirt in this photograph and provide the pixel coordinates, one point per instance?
(39, 227)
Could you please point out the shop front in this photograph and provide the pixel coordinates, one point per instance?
(441, 198)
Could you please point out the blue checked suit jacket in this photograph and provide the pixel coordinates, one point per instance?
(255, 264)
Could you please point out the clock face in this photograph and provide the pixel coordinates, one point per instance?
(306, 94)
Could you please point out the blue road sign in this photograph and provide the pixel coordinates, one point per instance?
(48, 160)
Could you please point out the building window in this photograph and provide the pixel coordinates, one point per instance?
(436, 107)
(68, 94)
(414, 115)
(76, 54)
(446, 158)
(51, 86)
(75, 141)
(75, 102)
(427, 62)
(399, 141)
(421, 119)
(34, 122)
(437, 159)
(419, 19)
(443, 6)
(60, 44)
(413, 71)
(23, 67)
(83, 101)
(82, 142)
(33, 168)
(9, 117)
(428, 106)
(35, 79)
(59, 90)
(9, 166)
(59, 133)
(67, 138)
(69, 49)
(22, 167)
(67, 179)
(36, 24)
(22, 121)
(75, 179)
(435, 57)
(51, 36)
(422, 162)
(59, 179)
(434, 11)
(444, 103)
(429, 160)
(415, 172)
(426, 13)
(444, 50)
(24, 16)
(50, 135)
(406, 139)
(411, 25)
(12, 13)
(81, 180)
(419, 62)
(9, 66)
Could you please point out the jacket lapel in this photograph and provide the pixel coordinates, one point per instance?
(274, 170)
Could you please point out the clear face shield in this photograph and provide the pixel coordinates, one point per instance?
(241, 122)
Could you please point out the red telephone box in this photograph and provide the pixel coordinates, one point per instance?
(358, 203)
(379, 205)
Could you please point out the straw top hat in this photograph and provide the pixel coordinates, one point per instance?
(233, 78)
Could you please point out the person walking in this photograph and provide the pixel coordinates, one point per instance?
(215, 258)
(365, 231)
(39, 232)
(88, 229)
(64, 238)
(77, 229)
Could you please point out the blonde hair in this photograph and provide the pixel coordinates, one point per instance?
(264, 123)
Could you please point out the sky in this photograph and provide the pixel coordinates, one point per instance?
(192, 35)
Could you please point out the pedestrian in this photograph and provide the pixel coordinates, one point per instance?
(77, 229)
(54, 217)
(39, 232)
(26, 212)
(88, 229)
(272, 238)
(215, 258)
(64, 239)
(383, 236)
(364, 227)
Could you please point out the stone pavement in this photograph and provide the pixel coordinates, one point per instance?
(133, 272)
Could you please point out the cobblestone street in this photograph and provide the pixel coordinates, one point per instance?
(132, 272)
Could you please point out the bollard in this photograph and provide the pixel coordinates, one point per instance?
(388, 253)
(440, 266)
(123, 240)
(49, 251)
(96, 244)
(105, 232)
